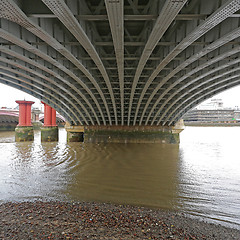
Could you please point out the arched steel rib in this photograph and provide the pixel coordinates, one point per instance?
(34, 88)
(208, 63)
(227, 38)
(36, 81)
(15, 14)
(208, 80)
(168, 13)
(204, 97)
(11, 38)
(45, 86)
(63, 13)
(217, 17)
(115, 18)
(27, 60)
(204, 88)
(29, 90)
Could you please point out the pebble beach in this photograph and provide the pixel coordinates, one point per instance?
(88, 220)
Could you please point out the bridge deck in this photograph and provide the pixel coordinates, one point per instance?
(120, 62)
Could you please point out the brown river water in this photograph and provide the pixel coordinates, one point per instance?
(200, 176)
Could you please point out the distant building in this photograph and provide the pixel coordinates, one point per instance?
(212, 112)
(214, 104)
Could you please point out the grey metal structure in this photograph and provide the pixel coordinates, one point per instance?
(120, 62)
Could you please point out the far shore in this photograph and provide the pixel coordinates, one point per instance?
(211, 124)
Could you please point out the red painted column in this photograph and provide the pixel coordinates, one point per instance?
(49, 116)
(45, 110)
(49, 131)
(25, 113)
(28, 115)
(54, 117)
(22, 113)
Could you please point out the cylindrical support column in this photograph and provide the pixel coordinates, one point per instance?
(54, 117)
(22, 113)
(28, 115)
(48, 116)
(24, 130)
(49, 131)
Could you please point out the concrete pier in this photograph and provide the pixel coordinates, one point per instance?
(49, 134)
(24, 134)
(75, 133)
(130, 134)
(124, 134)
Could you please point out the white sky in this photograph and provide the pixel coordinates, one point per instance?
(231, 97)
(9, 95)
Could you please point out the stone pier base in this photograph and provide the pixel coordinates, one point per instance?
(49, 134)
(130, 134)
(75, 133)
(124, 134)
(24, 134)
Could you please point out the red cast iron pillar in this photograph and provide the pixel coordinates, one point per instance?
(49, 116)
(24, 130)
(49, 131)
(54, 117)
(25, 113)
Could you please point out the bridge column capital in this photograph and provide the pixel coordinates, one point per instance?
(25, 113)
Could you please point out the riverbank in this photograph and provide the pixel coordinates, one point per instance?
(209, 124)
(61, 220)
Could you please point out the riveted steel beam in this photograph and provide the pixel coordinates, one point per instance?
(135, 17)
(228, 37)
(61, 10)
(168, 13)
(5, 35)
(209, 83)
(38, 84)
(115, 17)
(216, 18)
(203, 95)
(77, 52)
(26, 83)
(12, 12)
(48, 80)
(30, 90)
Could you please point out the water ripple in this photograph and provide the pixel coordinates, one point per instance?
(199, 177)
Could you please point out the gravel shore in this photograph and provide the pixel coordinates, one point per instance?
(61, 220)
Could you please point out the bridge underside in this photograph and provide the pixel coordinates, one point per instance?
(120, 62)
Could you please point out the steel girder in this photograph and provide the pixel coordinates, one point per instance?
(120, 61)
(203, 95)
(211, 84)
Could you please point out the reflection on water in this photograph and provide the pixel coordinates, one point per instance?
(209, 172)
(126, 173)
(7, 137)
(200, 176)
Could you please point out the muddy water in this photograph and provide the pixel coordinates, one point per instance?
(201, 176)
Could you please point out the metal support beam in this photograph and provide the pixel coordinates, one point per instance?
(217, 17)
(115, 17)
